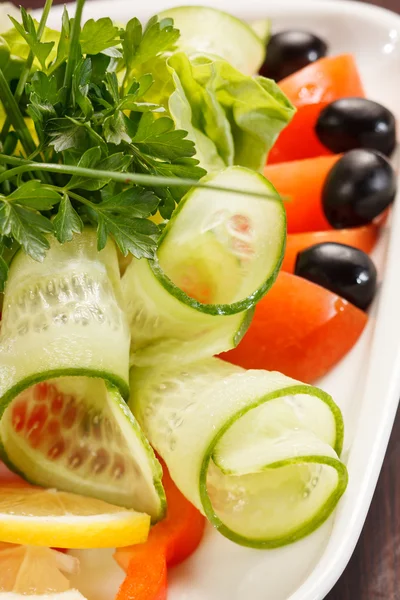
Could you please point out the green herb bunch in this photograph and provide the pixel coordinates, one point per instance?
(83, 140)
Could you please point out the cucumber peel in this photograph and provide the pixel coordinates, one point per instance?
(265, 469)
(65, 352)
(217, 256)
(262, 28)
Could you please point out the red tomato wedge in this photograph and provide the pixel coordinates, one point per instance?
(310, 90)
(300, 329)
(324, 80)
(300, 183)
(363, 238)
(298, 140)
(178, 534)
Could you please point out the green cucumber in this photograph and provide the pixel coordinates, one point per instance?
(217, 256)
(64, 317)
(262, 28)
(64, 348)
(77, 434)
(208, 30)
(256, 452)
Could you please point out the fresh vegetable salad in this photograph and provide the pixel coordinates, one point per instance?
(185, 229)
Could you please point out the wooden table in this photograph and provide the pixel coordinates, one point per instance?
(374, 570)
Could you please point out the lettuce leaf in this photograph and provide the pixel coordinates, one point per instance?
(241, 116)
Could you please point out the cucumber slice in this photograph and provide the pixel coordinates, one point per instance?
(212, 31)
(262, 28)
(218, 255)
(78, 434)
(64, 317)
(64, 343)
(256, 452)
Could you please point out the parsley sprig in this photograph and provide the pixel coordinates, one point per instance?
(81, 117)
(84, 140)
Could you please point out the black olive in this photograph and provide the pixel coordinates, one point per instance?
(351, 123)
(358, 188)
(344, 270)
(289, 51)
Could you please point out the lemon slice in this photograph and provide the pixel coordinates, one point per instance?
(29, 572)
(41, 517)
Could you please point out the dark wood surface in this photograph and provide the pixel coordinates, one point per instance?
(374, 569)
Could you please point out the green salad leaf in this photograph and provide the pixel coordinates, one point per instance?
(241, 115)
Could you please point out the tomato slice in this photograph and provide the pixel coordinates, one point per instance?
(310, 90)
(324, 80)
(300, 184)
(363, 238)
(299, 329)
(298, 140)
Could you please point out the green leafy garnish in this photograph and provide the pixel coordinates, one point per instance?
(105, 128)
(231, 117)
(67, 221)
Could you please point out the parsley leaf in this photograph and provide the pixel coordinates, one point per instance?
(28, 31)
(91, 159)
(27, 227)
(97, 36)
(65, 134)
(80, 86)
(158, 148)
(136, 236)
(159, 138)
(63, 44)
(140, 46)
(133, 202)
(34, 194)
(124, 218)
(67, 221)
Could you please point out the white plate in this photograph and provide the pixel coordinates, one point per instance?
(367, 382)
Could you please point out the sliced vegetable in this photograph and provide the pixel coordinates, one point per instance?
(351, 123)
(343, 270)
(217, 256)
(358, 188)
(208, 30)
(146, 576)
(299, 140)
(300, 183)
(255, 451)
(291, 50)
(233, 118)
(363, 238)
(38, 517)
(64, 343)
(310, 90)
(57, 314)
(300, 329)
(176, 537)
(77, 434)
(325, 80)
(262, 28)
